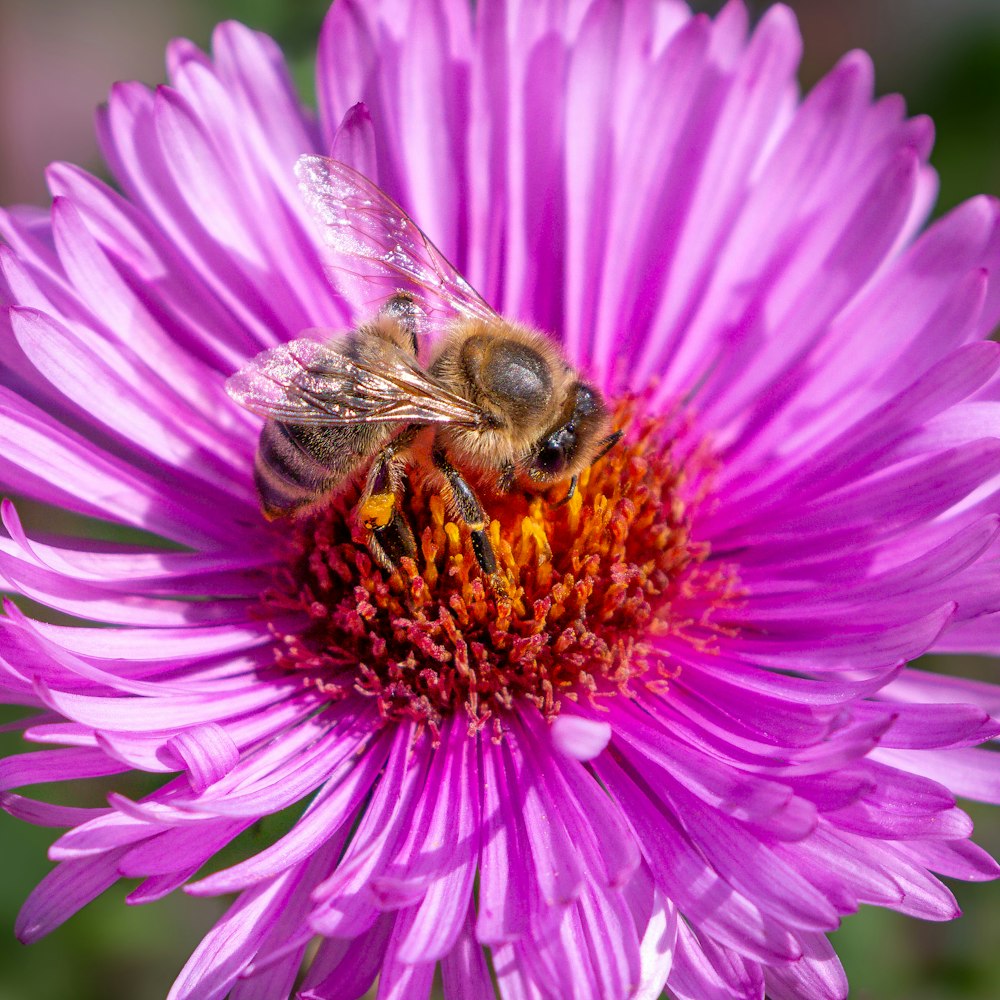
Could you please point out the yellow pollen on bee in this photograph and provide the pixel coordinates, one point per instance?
(376, 512)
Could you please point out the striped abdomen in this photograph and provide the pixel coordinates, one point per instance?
(297, 466)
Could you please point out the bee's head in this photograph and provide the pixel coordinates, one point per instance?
(576, 441)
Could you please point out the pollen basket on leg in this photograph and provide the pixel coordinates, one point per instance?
(598, 589)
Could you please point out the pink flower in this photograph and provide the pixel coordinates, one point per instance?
(690, 742)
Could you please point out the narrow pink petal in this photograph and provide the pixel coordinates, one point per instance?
(132, 147)
(694, 976)
(46, 814)
(227, 949)
(589, 145)
(345, 904)
(512, 978)
(445, 823)
(437, 922)
(116, 567)
(345, 968)
(428, 142)
(285, 936)
(399, 980)
(345, 62)
(871, 439)
(175, 291)
(969, 773)
(253, 69)
(508, 886)
(744, 796)
(149, 713)
(66, 889)
(112, 399)
(58, 466)
(119, 314)
(927, 727)
(102, 833)
(747, 864)
(157, 887)
(555, 857)
(334, 806)
(86, 601)
(44, 766)
(817, 974)
(842, 869)
(439, 919)
(179, 850)
(464, 971)
(850, 248)
(606, 851)
(954, 858)
(657, 947)
(685, 876)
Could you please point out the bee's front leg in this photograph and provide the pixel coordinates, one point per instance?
(505, 481)
(570, 493)
(390, 536)
(465, 507)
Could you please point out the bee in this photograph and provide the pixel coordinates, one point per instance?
(495, 398)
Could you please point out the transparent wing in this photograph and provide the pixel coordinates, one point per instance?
(347, 381)
(378, 249)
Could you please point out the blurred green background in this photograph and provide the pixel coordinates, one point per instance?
(57, 60)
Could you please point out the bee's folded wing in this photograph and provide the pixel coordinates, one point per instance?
(305, 382)
(376, 249)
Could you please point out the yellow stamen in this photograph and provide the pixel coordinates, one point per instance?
(585, 598)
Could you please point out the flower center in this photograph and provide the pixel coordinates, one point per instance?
(599, 590)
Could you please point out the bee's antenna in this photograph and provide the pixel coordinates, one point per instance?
(606, 445)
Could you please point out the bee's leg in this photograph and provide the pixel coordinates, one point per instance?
(388, 545)
(570, 493)
(507, 472)
(466, 507)
(390, 536)
(407, 314)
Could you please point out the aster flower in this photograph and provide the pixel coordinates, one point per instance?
(690, 741)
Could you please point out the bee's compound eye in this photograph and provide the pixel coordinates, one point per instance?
(551, 459)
